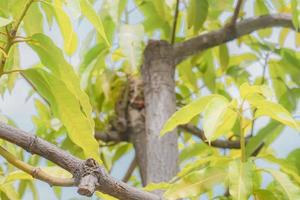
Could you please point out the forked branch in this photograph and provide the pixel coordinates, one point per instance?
(226, 34)
(88, 175)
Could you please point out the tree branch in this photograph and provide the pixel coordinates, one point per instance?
(88, 175)
(36, 172)
(223, 35)
(130, 170)
(226, 144)
(236, 12)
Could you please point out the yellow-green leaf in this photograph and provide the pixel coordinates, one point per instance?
(218, 118)
(240, 179)
(186, 113)
(196, 183)
(290, 189)
(66, 106)
(88, 11)
(66, 28)
(276, 112)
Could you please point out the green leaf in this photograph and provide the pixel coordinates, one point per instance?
(52, 58)
(157, 186)
(66, 106)
(197, 14)
(218, 118)
(223, 56)
(290, 190)
(66, 28)
(9, 191)
(271, 129)
(196, 183)
(264, 195)
(260, 8)
(240, 179)
(285, 166)
(186, 113)
(88, 11)
(276, 112)
(294, 158)
(186, 74)
(33, 20)
(295, 13)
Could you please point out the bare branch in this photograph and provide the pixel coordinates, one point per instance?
(88, 175)
(236, 12)
(226, 144)
(223, 35)
(36, 172)
(130, 170)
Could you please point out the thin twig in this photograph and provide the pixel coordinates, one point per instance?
(175, 22)
(36, 172)
(236, 12)
(130, 170)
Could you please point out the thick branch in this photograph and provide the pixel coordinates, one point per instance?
(223, 35)
(87, 177)
(226, 144)
(36, 172)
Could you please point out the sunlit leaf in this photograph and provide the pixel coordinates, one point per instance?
(186, 113)
(196, 183)
(240, 179)
(66, 28)
(290, 190)
(218, 118)
(66, 106)
(89, 12)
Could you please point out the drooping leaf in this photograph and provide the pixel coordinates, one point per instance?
(223, 56)
(240, 179)
(186, 113)
(218, 118)
(66, 106)
(197, 14)
(196, 183)
(52, 58)
(89, 12)
(291, 191)
(271, 129)
(276, 112)
(66, 28)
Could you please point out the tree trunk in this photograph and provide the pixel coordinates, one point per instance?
(158, 156)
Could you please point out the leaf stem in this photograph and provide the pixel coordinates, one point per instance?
(242, 135)
(175, 22)
(11, 35)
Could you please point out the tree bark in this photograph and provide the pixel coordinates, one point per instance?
(158, 156)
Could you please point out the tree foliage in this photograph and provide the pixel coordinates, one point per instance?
(231, 73)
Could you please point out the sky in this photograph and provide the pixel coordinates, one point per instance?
(20, 108)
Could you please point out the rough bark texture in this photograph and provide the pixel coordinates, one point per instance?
(89, 176)
(158, 156)
(228, 33)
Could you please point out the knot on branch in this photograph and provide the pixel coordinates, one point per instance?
(88, 177)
